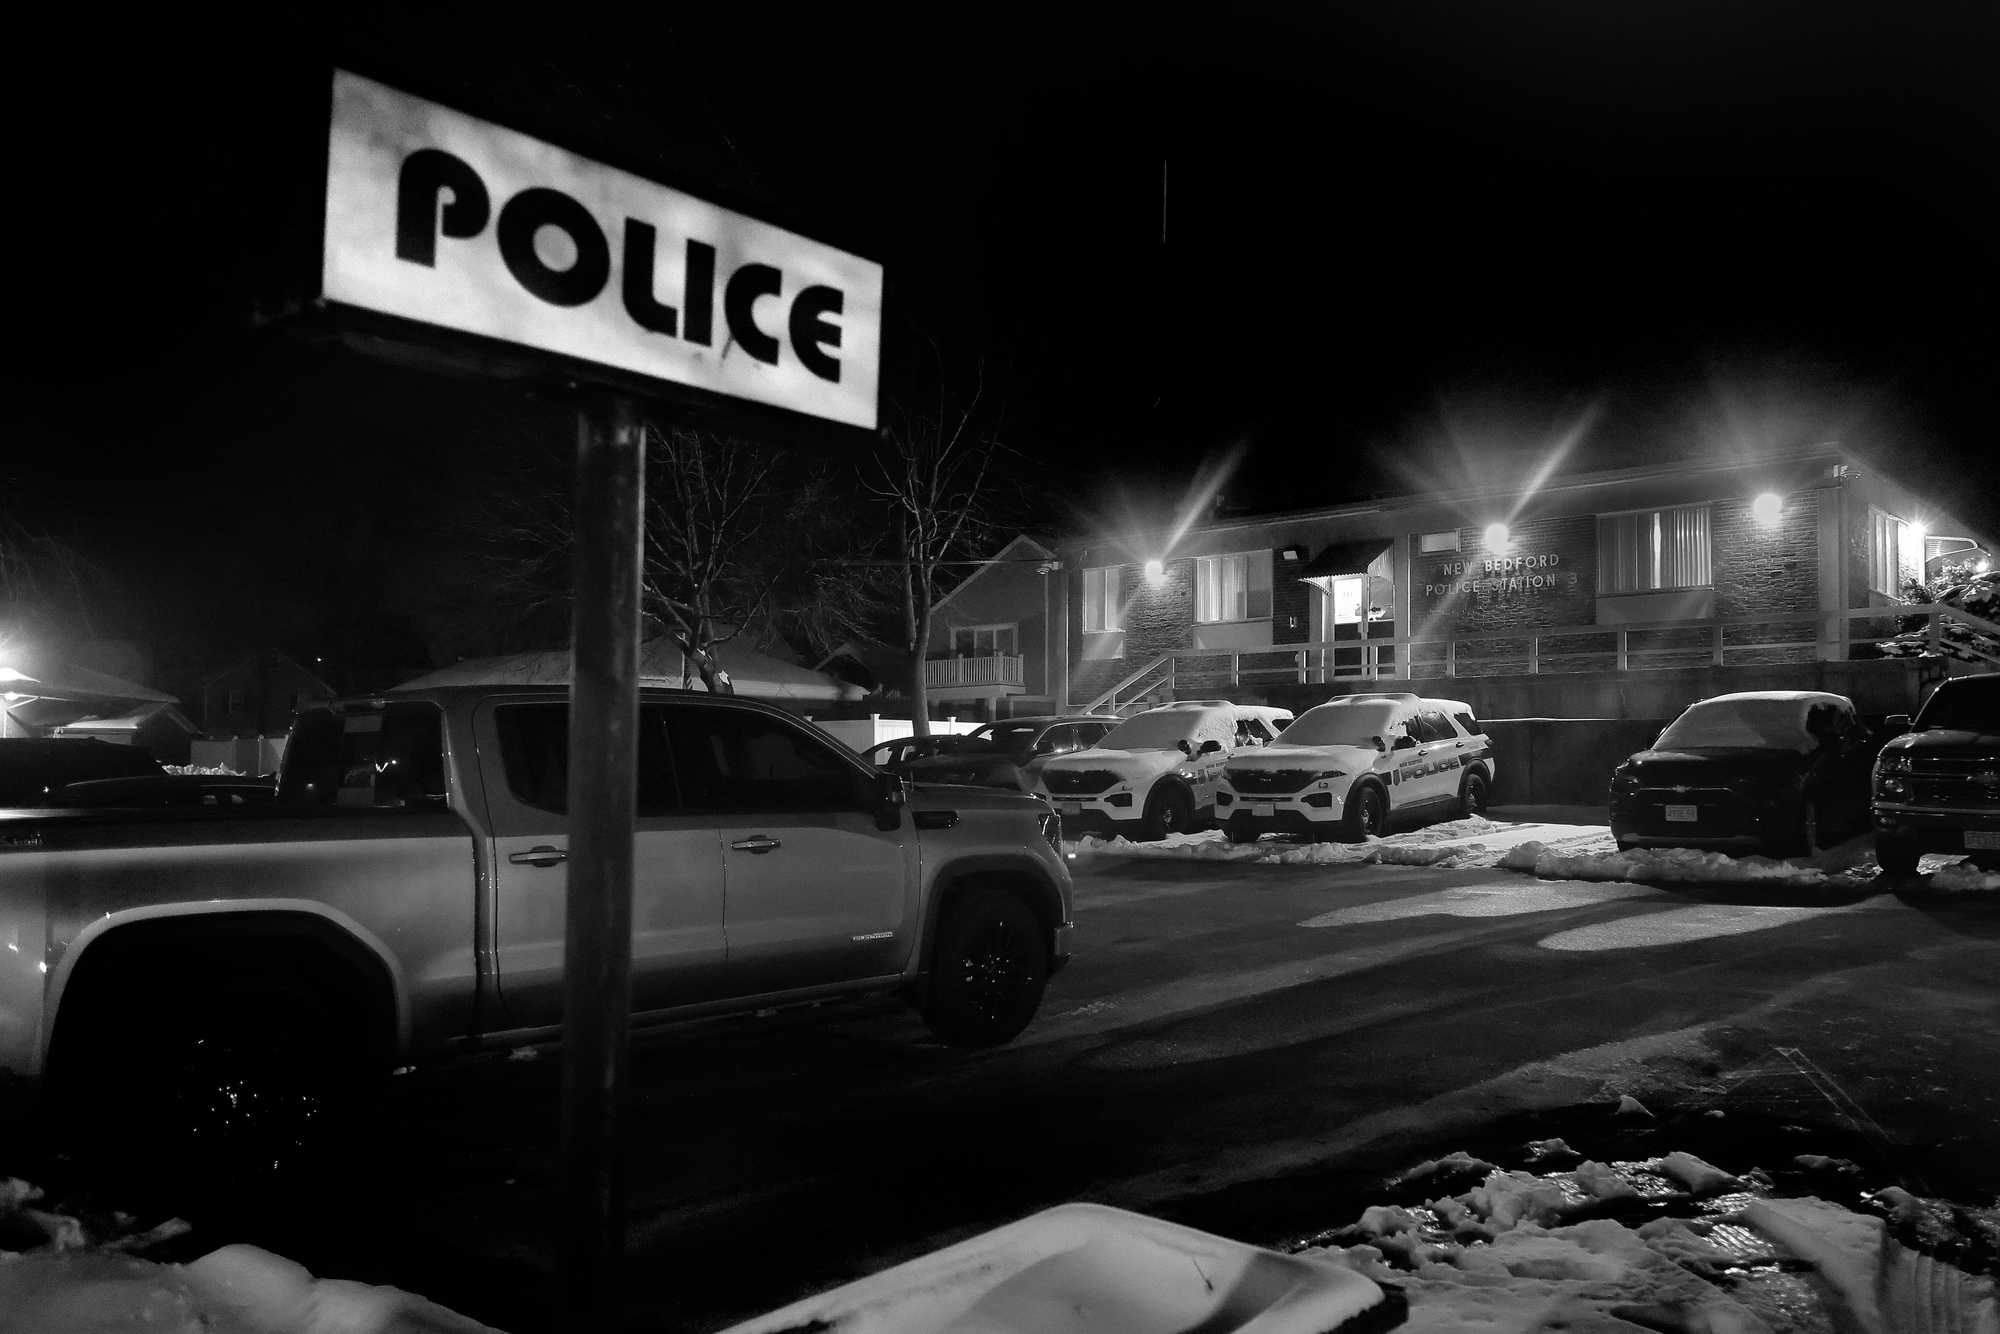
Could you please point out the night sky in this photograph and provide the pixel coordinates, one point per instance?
(1395, 235)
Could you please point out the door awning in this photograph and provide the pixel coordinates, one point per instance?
(1346, 558)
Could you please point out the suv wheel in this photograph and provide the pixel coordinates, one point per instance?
(1241, 833)
(1896, 856)
(1472, 796)
(991, 964)
(1367, 814)
(1170, 811)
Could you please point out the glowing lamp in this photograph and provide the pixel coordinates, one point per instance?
(1155, 571)
(1768, 508)
(1496, 537)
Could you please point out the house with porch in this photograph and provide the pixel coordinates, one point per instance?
(1620, 593)
(996, 647)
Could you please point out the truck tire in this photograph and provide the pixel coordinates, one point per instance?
(1367, 814)
(987, 976)
(1896, 856)
(211, 1099)
(1170, 810)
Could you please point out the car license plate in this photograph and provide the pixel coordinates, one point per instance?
(1070, 807)
(1683, 814)
(1981, 838)
(1263, 809)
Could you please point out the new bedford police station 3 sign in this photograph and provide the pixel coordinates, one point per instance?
(437, 217)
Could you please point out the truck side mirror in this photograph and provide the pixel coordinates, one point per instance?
(1896, 724)
(889, 801)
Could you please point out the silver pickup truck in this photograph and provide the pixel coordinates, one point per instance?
(403, 898)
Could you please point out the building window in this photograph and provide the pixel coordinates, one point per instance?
(1431, 542)
(984, 641)
(1100, 599)
(1892, 549)
(1233, 588)
(1654, 551)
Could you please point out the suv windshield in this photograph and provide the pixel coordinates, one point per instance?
(1772, 724)
(1014, 738)
(1154, 731)
(1971, 703)
(1341, 725)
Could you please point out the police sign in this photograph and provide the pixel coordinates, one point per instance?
(437, 217)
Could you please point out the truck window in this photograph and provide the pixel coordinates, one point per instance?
(388, 758)
(740, 762)
(534, 752)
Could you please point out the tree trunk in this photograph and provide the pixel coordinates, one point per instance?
(920, 695)
(713, 675)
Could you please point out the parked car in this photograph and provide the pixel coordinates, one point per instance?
(1011, 753)
(33, 767)
(1345, 768)
(1937, 785)
(1782, 772)
(1157, 772)
(218, 791)
(403, 899)
(895, 754)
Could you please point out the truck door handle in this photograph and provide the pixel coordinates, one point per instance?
(542, 856)
(757, 843)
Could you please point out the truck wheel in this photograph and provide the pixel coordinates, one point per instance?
(1806, 837)
(1367, 814)
(1472, 796)
(1169, 812)
(987, 976)
(1896, 856)
(217, 1098)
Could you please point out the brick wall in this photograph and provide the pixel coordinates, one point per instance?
(1761, 569)
(1158, 618)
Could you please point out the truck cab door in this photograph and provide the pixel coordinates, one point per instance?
(816, 892)
(678, 946)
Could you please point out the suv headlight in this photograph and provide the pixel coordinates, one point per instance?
(1329, 773)
(1894, 762)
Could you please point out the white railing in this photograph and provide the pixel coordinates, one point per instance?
(1155, 676)
(1543, 650)
(995, 669)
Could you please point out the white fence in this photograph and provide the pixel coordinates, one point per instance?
(861, 733)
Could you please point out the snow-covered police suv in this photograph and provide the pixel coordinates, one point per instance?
(1156, 773)
(1344, 767)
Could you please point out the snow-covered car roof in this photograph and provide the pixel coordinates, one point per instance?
(1788, 696)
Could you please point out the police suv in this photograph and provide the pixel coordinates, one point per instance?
(1344, 767)
(1157, 772)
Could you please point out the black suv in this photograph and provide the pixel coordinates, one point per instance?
(1937, 786)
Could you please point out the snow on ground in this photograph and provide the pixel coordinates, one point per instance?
(1526, 1252)
(63, 1275)
(1549, 850)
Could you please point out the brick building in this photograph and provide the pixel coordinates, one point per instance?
(1547, 599)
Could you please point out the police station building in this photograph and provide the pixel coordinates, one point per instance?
(1562, 596)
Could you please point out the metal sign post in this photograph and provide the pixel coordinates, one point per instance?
(460, 241)
(603, 797)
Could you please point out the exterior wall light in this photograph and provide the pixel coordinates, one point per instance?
(1155, 572)
(1769, 507)
(1496, 537)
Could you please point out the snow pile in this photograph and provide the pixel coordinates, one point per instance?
(1962, 878)
(1501, 1257)
(1474, 843)
(1661, 866)
(219, 769)
(61, 1274)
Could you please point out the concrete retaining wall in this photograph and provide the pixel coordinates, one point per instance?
(1562, 761)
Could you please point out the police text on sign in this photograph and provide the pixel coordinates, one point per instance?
(435, 216)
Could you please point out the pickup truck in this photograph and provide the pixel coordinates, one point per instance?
(402, 899)
(1937, 783)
